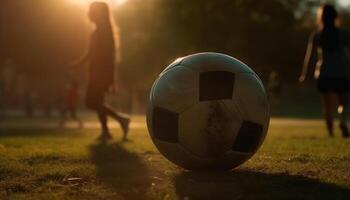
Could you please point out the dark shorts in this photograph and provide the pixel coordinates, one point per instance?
(333, 85)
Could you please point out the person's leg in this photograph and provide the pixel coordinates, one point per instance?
(344, 102)
(124, 120)
(102, 117)
(94, 101)
(330, 102)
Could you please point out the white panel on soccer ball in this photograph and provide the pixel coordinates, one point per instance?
(203, 62)
(208, 129)
(250, 99)
(176, 90)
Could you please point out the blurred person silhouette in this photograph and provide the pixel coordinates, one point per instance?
(70, 103)
(331, 45)
(102, 56)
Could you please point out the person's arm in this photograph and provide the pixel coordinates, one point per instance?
(84, 57)
(309, 57)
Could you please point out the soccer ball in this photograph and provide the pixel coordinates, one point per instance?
(208, 111)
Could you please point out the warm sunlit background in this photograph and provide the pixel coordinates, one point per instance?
(110, 2)
(39, 37)
(344, 2)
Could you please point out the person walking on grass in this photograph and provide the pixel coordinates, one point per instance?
(331, 45)
(102, 56)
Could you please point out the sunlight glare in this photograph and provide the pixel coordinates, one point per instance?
(110, 2)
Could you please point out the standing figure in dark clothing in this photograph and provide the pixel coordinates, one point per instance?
(332, 72)
(102, 55)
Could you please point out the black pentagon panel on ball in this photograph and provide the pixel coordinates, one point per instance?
(165, 125)
(216, 85)
(248, 137)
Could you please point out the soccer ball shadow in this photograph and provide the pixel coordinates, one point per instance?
(246, 184)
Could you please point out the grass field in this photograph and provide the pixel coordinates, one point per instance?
(297, 161)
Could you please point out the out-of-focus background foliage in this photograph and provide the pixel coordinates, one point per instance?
(38, 38)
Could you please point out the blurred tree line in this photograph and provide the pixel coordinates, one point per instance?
(40, 37)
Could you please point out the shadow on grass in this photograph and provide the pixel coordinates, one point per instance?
(243, 184)
(122, 170)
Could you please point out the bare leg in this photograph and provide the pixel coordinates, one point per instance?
(344, 101)
(122, 119)
(96, 102)
(102, 116)
(330, 102)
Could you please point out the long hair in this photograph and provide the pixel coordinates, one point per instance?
(106, 29)
(329, 32)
